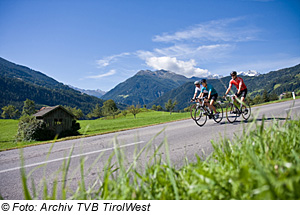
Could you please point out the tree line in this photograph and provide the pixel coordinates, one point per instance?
(109, 108)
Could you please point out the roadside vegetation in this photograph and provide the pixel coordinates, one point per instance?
(9, 127)
(105, 120)
(263, 163)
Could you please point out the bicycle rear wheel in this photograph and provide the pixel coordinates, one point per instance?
(200, 116)
(193, 108)
(218, 118)
(246, 111)
(231, 113)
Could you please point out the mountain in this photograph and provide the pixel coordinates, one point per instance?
(18, 83)
(145, 86)
(249, 73)
(97, 93)
(184, 93)
(283, 80)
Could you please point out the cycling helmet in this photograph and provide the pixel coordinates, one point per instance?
(233, 73)
(196, 83)
(203, 81)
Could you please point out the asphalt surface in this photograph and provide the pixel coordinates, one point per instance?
(185, 140)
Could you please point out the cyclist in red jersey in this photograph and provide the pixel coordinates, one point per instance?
(240, 85)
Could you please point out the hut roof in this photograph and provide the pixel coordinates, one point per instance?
(46, 110)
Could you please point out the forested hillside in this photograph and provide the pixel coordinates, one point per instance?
(145, 87)
(18, 83)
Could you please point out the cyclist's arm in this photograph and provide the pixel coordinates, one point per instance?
(200, 96)
(240, 87)
(229, 88)
(195, 95)
(209, 94)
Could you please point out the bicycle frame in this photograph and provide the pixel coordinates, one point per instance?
(233, 111)
(200, 111)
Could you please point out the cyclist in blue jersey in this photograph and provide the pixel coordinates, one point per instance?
(209, 92)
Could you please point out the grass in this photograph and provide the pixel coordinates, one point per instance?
(8, 131)
(262, 163)
(91, 127)
(8, 128)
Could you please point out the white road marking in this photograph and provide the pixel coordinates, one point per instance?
(73, 156)
(292, 108)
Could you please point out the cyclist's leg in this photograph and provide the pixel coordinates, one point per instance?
(211, 105)
(243, 96)
(236, 102)
(205, 95)
(212, 101)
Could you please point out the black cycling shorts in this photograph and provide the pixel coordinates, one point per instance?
(214, 97)
(243, 93)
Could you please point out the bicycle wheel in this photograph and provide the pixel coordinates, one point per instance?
(193, 108)
(218, 118)
(200, 116)
(246, 111)
(231, 113)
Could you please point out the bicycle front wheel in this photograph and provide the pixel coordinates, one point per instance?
(218, 117)
(246, 111)
(200, 116)
(231, 113)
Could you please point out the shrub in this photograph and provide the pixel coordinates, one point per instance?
(30, 129)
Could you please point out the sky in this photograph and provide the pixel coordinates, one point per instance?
(97, 44)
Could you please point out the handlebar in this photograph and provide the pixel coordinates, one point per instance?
(201, 99)
(231, 96)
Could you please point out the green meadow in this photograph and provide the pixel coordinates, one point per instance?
(146, 118)
(8, 127)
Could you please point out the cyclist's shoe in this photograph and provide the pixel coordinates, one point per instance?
(236, 111)
(216, 115)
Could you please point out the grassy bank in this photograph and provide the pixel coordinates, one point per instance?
(8, 128)
(263, 163)
(100, 126)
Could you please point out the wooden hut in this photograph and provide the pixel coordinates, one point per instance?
(57, 118)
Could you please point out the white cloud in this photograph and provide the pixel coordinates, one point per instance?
(206, 44)
(216, 30)
(187, 68)
(108, 60)
(111, 72)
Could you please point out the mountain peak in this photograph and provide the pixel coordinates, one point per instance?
(249, 73)
(162, 74)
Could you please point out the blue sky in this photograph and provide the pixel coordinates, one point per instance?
(97, 44)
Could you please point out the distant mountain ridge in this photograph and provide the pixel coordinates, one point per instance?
(18, 83)
(97, 93)
(145, 86)
(249, 73)
(283, 80)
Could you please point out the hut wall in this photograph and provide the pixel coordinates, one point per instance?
(59, 120)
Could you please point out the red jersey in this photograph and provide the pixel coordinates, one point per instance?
(237, 82)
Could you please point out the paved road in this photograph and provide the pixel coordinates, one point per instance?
(185, 140)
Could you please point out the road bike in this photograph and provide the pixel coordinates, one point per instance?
(201, 111)
(233, 112)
